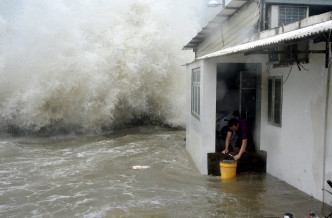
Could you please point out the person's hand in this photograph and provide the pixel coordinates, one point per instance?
(237, 157)
(225, 151)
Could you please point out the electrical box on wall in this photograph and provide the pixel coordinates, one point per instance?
(288, 54)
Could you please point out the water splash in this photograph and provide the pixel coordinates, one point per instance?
(87, 65)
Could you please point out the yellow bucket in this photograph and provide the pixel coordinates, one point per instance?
(228, 169)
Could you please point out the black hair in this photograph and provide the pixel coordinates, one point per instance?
(232, 122)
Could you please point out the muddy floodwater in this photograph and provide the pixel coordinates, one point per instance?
(93, 176)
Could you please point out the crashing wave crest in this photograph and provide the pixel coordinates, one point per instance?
(90, 65)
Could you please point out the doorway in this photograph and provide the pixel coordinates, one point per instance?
(238, 96)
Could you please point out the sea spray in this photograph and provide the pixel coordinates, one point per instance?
(88, 65)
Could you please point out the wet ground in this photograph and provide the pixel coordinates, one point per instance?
(92, 176)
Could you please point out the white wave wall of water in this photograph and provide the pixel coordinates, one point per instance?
(90, 64)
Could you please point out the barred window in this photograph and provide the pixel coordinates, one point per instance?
(291, 14)
(195, 92)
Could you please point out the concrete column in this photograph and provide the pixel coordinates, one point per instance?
(208, 105)
(327, 198)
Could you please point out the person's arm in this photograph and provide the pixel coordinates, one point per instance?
(227, 142)
(243, 148)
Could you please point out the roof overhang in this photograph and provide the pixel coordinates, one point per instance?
(308, 32)
(231, 8)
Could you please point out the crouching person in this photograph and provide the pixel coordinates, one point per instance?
(243, 130)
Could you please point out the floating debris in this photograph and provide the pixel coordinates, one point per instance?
(140, 167)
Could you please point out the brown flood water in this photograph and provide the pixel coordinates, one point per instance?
(92, 176)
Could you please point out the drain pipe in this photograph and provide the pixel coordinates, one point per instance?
(326, 124)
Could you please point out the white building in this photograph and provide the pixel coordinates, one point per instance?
(277, 78)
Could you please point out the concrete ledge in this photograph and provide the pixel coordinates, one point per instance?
(309, 21)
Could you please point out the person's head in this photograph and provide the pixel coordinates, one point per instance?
(233, 124)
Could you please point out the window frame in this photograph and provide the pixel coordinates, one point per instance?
(289, 15)
(195, 92)
(275, 105)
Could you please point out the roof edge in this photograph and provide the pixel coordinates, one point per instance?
(300, 33)
(221, 16)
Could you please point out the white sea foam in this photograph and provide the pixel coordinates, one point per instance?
(85, 65)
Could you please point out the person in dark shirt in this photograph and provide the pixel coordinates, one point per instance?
(241, 128)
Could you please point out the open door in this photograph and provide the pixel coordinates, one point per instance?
(248, 96)
(238, 96)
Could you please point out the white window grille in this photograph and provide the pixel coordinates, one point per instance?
(291, 14)
(195, 92)
(281, 15)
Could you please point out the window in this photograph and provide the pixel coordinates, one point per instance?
(275, 100)
(281, 15)
(291, 14)
(195, 92)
